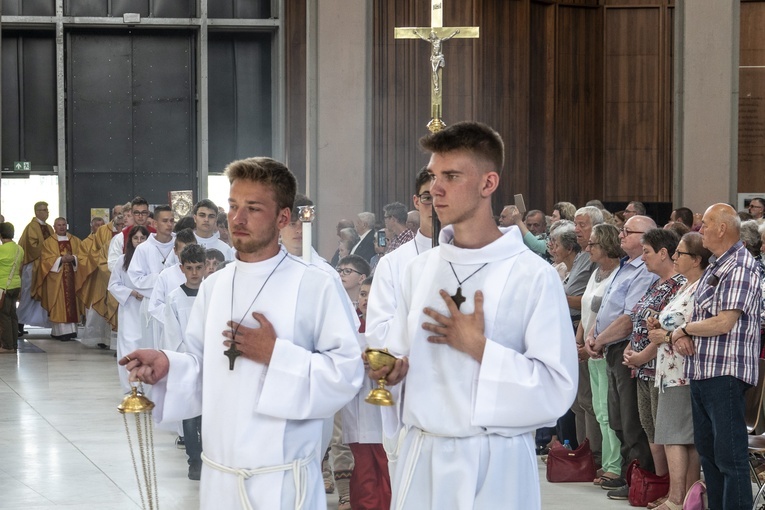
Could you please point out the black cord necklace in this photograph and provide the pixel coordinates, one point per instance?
(232, 353)
(458, 298)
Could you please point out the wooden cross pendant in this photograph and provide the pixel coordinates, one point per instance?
(232, 353)
(458, 298)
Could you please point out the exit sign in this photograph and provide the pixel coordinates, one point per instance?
(22, 166)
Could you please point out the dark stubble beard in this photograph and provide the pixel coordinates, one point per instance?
(254, 245)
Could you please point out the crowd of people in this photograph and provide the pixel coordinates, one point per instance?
(514, 332)
(669, 326)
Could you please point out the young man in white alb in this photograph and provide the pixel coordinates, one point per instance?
(485, 324)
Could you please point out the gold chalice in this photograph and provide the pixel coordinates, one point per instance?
(378, 358)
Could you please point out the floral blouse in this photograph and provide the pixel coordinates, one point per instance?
(653, 302)
(670, 365)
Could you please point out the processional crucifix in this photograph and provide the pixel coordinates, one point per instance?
(436, 34)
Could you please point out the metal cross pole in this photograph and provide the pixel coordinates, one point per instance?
(436, 34)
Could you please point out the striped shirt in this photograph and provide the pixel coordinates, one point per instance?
(731, 282)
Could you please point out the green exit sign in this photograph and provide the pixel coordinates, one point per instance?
(22, 166)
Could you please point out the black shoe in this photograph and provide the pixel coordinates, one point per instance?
(614, 483)
(180, 443)
(621, 493)
(542, 450)
(195, 471)
(103, 346)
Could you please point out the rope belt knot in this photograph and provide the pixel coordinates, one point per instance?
(299, 468)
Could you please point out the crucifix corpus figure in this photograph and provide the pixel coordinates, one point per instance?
(436, 35)
(437, 60)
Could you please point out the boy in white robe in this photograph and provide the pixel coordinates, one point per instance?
(168, 280)
(362, 432)
(150, 259)
(177, 312)
(485, 324)
(205, 214)
(130, 333)
(296, 361)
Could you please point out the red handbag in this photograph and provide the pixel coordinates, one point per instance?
(564, 465)
(644, 485)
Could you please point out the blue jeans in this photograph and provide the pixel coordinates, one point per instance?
(192, 436)
(721, 440)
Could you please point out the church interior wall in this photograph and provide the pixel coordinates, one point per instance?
(581, 91)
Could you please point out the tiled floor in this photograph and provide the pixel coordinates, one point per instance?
(63, 443)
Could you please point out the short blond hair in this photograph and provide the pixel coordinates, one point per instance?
(269, 172)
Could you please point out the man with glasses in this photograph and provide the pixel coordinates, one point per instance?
(139, 212)
(390, 270)
(634, 209)
(395, 222)
(610, 336)
(757, 208)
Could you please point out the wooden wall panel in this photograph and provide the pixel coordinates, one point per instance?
(751, 122)
(580, 91)
(579, 105)
(542, 107)
(637, 115)
(295, 76)
(502, 82)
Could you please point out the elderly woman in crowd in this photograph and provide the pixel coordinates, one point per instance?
(563, 211)
(674, 422)
(563, 247)
(659, 247)
(348, 239)
(604, 249)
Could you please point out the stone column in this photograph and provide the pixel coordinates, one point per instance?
(341, 143)
(706, 102)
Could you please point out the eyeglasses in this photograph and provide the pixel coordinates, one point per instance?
(685, 253)
(346, 271)
(626, 232)
(425, 198)
(590, 245)
(140, 213)
(752, 206)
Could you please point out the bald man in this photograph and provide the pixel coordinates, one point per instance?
(722, 342)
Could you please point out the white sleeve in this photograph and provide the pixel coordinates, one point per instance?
(179, 395)
(116, 247)
(542, 379)
(157, 299)
(318, 372)
(143, 280)
(56, 266)
(117, 286)
(381, 308)
(172, 333)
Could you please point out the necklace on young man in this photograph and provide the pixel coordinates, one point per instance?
(164, 257)
(458, 298)
(232, 353)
